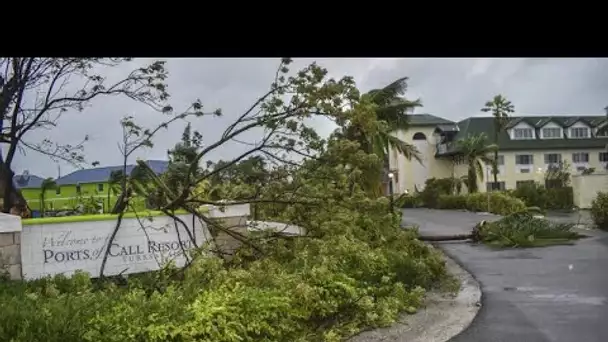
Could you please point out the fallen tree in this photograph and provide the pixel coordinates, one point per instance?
(353, 269)
(520, 229)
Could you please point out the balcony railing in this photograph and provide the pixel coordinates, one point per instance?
(444, 148)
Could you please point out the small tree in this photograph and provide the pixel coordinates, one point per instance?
(35, 92)
(476, 152)
(47, 184)
(558, 175)
(500, 108)
(374, 134)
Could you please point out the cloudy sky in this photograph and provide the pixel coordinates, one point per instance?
(450, 88)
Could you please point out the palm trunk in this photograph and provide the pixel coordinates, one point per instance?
(495, 163)
(107, 209)
(472, 176)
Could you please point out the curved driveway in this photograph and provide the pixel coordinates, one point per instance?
(553, 294)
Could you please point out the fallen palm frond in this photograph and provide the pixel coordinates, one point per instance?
(518, 230)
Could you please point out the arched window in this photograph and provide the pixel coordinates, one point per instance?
(419, 136)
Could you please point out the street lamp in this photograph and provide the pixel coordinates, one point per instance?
(390, 189)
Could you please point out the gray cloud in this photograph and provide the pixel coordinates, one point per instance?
(451, 88)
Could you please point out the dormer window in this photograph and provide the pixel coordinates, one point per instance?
(551, 133)
(579, 132)
(523, 133)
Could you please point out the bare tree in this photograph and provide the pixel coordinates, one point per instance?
(286, 140)
(35, 92)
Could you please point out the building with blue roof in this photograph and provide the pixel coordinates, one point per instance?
(87, 184)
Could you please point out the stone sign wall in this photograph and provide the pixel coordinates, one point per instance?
(10, 246)
(49, 249)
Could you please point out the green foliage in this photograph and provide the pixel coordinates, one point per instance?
(355, 268)
(435, 187)
(438, 193)
(534, 194)
(47, 184)
(560, 198)
(408, 201)
(599, 210)
(500, 108)
(476, 151)
(304, 290)
(452, 202)
(499, 203)
(388, 108)
(522, 229)
(558, 175)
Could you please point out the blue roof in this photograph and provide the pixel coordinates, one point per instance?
(26, 181)
(102, 174)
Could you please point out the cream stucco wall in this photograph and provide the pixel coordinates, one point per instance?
(408, 172)
(511, 173)
(585, 188)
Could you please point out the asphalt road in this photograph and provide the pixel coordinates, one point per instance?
(553, 294)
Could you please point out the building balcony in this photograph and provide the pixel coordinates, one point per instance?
(444, 148)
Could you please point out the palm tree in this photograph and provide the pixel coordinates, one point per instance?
(476, 151)
(391, 115)
(47, 184)
(500, 108)
(114, 180)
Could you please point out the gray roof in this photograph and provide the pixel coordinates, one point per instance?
(477, 125)
(27, 181)
(427, 120)
(102, 174)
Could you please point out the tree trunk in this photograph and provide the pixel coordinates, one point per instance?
(472, 177)
(11, 196)
(439, 238)
(495, 163)
(42, 206)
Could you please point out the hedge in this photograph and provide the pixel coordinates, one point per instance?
(536, 195)
(599, 210)
(500, 203)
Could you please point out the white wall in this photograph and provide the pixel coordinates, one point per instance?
(48, 249)
(586, 187)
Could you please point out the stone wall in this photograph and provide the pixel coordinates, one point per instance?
(24, 262)
(234, 219)
(10, 246)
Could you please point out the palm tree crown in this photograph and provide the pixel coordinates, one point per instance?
(500, 108)
(476, 151)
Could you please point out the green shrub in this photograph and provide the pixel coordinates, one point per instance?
(523, 230)
(499, 203)
(536, 195)
(435, 187)
(599, 210)
(408, 201)
(533, 194)
(452, 202)
(361, 273)
(560, 198)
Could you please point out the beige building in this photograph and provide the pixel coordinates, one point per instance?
(527, 148)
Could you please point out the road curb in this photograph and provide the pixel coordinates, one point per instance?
(444, 316)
